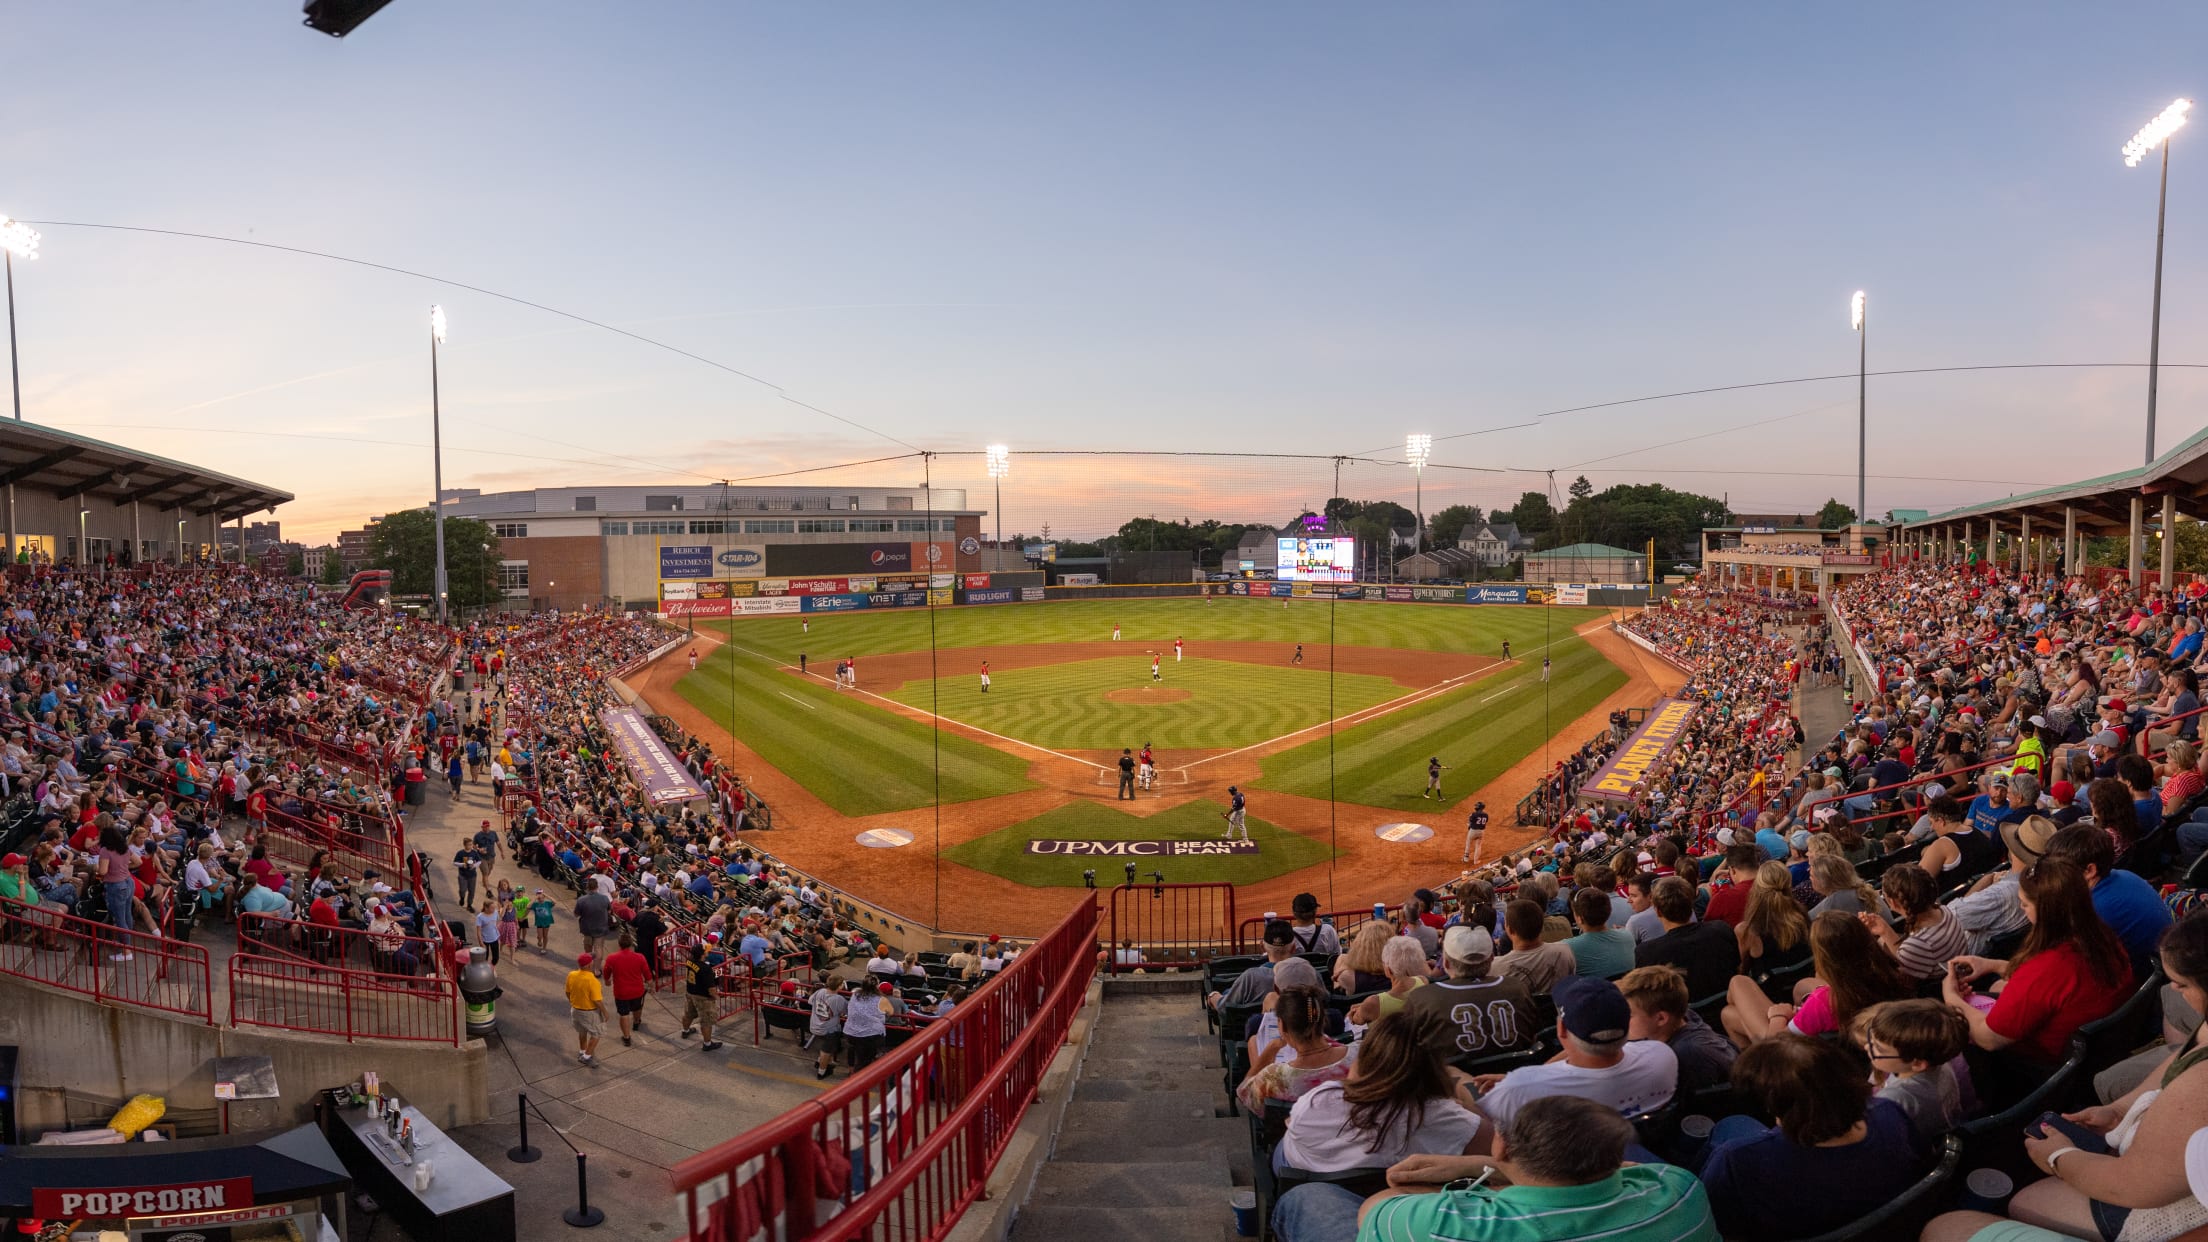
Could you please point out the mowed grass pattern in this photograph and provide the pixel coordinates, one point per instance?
(1003, 852)
(1229, 704)
(850, 752)
(1478, 629)
(1479, 731)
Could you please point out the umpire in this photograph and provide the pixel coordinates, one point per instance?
(1126, 773)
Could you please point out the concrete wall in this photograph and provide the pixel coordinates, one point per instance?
(71, 1046)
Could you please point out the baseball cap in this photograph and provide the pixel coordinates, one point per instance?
(11, 862)
(2028, 838)
(1644, 857)
(1305, 904)
(789, 987)
(887, 989)
(2039, 722)
(1279, 932)
(1800, 839)
(1467, 944)
(2115, 705)
(584, 959)
(2063, 791)
(2108, 738)
(1592, 1009)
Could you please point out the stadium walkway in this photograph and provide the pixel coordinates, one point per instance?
(1146, 1150)
(645, 1107)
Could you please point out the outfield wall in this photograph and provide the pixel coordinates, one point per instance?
(765, 596)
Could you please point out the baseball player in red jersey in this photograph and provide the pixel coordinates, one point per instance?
(1146, 771)
(1176, 649)
(1155, 659)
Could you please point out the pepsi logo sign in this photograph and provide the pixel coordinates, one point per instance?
(877, 557)
(742, 558)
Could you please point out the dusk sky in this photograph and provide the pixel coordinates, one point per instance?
(1276, 228)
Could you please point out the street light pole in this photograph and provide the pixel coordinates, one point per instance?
(16, 238)
(1417, 447)
(2156, 133)
(1000, 465)
(437, 452)
(1862, 423)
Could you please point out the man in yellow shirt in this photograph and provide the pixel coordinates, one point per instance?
(587, 998)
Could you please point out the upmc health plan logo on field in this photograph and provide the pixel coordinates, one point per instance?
(1141, 849)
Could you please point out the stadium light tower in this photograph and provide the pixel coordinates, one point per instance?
(1000, 465)
(1862, 425)
(1418, 447)
(16, 238)
(2156, 133)
(437, 453)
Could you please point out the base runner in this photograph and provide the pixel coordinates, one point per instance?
(1146, 768)
(1475, 832)
(1434, 769)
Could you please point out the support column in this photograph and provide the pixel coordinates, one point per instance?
(2169, 538)
(2024, 545)
(11, 523)
(2069, 541)
(2138, 538)
(137, 540)
(1993, 541)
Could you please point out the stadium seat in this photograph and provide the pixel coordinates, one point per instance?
(1907, 1214)
(1233, 1020)
(2136, 1023)
(1997, 1139)
(784, 1018)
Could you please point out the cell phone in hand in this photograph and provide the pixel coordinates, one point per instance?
(2078, 1136)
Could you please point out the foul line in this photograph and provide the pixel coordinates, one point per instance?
(811, 707)
(925, 715)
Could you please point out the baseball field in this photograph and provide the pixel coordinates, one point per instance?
(1321, 714)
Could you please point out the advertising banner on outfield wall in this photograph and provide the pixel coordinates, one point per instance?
(940, 598)
(1400, 594)
(686, 560)
(1029, 595)
(678, 590)
(1350, 590)
(993, 595)
(782, 603)
(1438, 595)
(976, 582)
(1649, 743)
(741, 590)
(744, 560)
(897, 599)
(695, 607)
(1279, 590)
(713, 590)
(662, 776)
(1495, 595)
(833, 603)
(1571, 593)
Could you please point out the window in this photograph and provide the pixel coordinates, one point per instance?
(513, 579)
(770, 526)
(820, 526)
(659, 528)
(850, 502)
(586, 504)
(510, 530)
(899, 502)
(873, 524)
(712, 526)
(663, 504)
(613, 528)
(913, 525)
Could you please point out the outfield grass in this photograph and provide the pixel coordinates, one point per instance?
(1479, 730)
(1230, 705)
(1477, 629)
(852, 754)
(1003, 852)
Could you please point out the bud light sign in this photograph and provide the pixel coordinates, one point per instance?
(685, 560)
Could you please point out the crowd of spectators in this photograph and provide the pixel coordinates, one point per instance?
(1846, 952)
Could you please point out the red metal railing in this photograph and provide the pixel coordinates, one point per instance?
(294, 994)
(350, 947)
(294, 840)
(42, 944)
(1172, 924)
(902, 1147)
(1249, 934)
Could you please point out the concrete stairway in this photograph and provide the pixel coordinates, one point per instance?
(1147, 1150)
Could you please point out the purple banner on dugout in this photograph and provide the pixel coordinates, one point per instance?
(657, 771)
(1649, 743)
(1140, 849)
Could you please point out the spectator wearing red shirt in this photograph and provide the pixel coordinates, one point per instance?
(629, 974)
(321, 913)
(265, 871)
(1729, 902)
(2070, 970)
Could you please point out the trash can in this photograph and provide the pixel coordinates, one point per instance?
(479, 988)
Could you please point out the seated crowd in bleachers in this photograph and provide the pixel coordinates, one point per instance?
(1790, 990)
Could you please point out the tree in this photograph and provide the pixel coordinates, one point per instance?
(406, 544)
(1449, 525)
(1581, 489)
(333, 569)
(1534, 515)
(1834, 515)
(295, 564)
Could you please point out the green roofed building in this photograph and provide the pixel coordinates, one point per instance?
(1586, 562)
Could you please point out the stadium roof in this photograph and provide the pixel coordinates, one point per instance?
(2103, 503)
(68, 465)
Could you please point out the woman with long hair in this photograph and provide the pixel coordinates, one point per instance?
(1839, 887)
(1360, 968)
(1301, 1056)
(2114, 812)
(1929, 934)
(2070, 970)
(1398, 1100)
(1851, 976)
(1775, 933)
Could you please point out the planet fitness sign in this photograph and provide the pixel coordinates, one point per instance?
(1649, 743)
(655, 768)
(1141, 849)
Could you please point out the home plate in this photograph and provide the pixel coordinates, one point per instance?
(891, 838)
(1403, 834)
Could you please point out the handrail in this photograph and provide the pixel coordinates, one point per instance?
(274, 934)
(923, 1127)
(77, 955)
(295, 995)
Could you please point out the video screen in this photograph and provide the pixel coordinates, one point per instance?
(1329, 559)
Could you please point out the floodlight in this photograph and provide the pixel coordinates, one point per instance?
(1855, 311)
(18, 238)
(437, 324)
(1418, 447)
(1000, 460)
(2155, 132)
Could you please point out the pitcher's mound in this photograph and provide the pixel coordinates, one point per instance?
(1146, 694)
